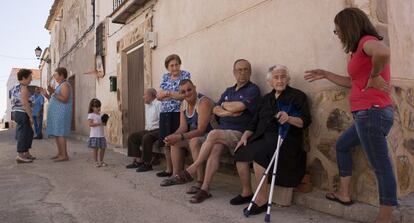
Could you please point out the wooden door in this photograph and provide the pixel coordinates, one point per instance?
(136, 107)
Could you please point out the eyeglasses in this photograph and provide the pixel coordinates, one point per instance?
(184, 91)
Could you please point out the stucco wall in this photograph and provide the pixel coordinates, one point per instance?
(401, 31)
(210, 35)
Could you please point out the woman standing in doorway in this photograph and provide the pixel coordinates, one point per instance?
(371, 105)
(170, 104)
(59, 115)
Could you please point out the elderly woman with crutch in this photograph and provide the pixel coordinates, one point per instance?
(284, 105)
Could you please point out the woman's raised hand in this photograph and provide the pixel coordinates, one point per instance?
(43, 91)
(50, 89)
(314, 75)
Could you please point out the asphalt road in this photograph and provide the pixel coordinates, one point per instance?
(76, 191)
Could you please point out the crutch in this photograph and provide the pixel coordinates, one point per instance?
(283, 129)
(281, 137)
(275, 157)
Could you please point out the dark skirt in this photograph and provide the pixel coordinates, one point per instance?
(291, 164)
(169, 123)
(258, 150)
(97, 142)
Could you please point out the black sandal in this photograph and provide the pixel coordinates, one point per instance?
(195, 188)
(200, 196)
(332, 197)
(163, 174)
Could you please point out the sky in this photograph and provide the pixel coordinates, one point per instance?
(21, 31)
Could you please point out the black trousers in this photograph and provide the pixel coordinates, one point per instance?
(145, 139)
(24, 131)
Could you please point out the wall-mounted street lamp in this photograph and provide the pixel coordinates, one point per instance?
(38, 52)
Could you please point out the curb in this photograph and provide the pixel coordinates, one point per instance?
(359, 212)
(315, 200)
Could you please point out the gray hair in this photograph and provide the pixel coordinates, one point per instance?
(274, 68)
(152, 92)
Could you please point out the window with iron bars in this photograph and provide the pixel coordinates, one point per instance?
(117, 3)
(100, 39)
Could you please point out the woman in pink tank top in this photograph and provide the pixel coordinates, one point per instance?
(371, 105)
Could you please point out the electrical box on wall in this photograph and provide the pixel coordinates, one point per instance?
(112, 83)
(151, 38)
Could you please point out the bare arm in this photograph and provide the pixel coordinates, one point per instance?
(64, 93)
(380, 55)
(165, 95)
(45, 94)
(234, 106)
(183, 123)
(243, 140)
(317, 74)
(283, 117)
(176, 95)
(220, 112)
(25, 101)
(176, 136)
(295, 121)
(92, 124)
(204, 117)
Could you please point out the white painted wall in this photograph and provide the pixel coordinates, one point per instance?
(401, 33)
(210, 35)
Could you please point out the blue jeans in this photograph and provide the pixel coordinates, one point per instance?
(38, 123)
(370, 130)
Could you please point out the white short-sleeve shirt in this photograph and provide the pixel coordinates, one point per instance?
(97, 131)
(152, 115)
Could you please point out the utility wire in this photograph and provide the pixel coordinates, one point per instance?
(17, 58)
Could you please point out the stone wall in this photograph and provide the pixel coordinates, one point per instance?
(331, 116)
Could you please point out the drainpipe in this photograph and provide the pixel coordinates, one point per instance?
(77, 42)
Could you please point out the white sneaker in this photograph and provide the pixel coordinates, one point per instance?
(20, 159)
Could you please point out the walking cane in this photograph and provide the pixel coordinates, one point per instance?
(283, 129)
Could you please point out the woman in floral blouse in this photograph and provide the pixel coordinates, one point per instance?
(170, 104)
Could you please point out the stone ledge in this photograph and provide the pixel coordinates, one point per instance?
(360, 212)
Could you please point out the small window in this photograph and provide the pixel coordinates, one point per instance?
(100, 39)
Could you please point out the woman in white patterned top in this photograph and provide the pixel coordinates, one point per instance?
(22, 115)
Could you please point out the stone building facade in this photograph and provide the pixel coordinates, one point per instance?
(72, 45)
(210, 35)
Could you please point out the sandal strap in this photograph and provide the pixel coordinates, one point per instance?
(200, 196)
(184, 176)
